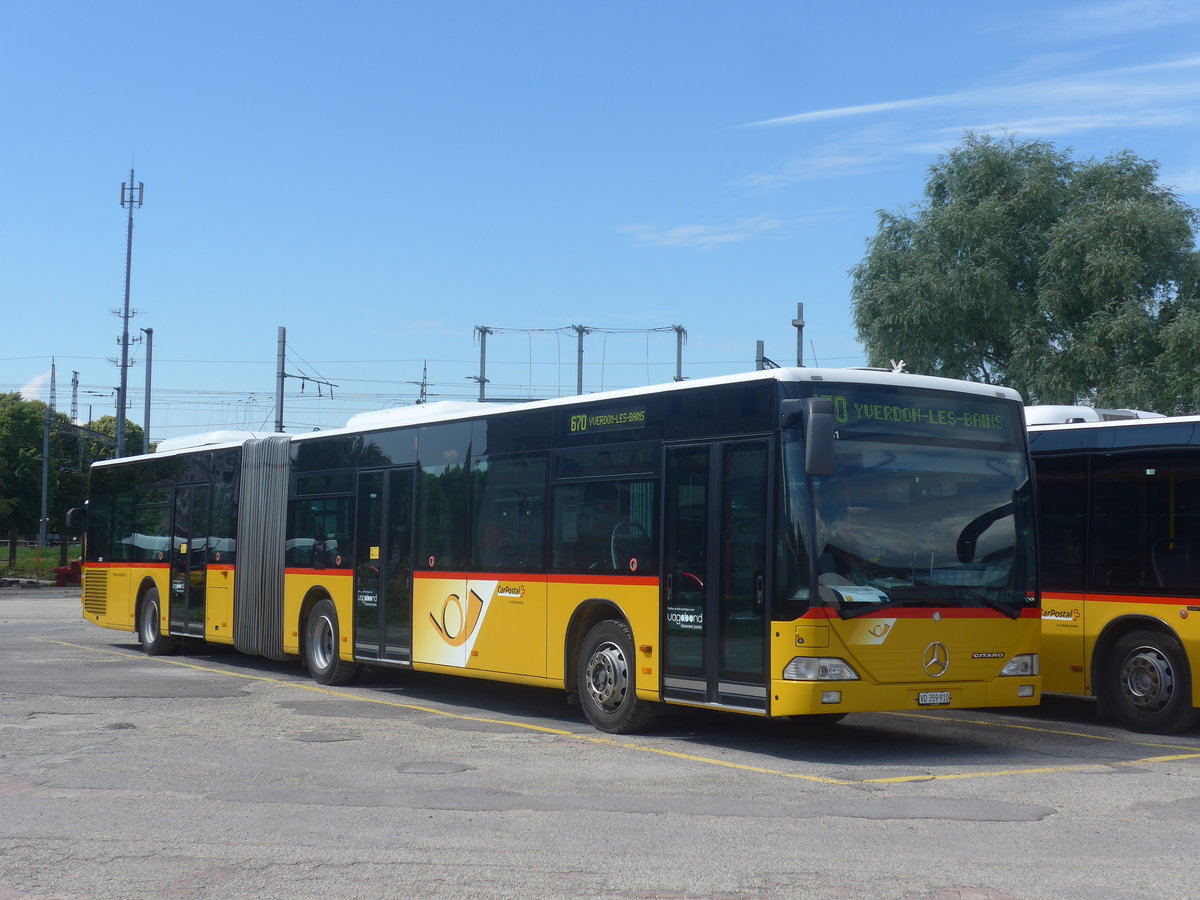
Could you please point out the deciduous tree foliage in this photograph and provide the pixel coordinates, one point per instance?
(22, 430)
(1072, 281)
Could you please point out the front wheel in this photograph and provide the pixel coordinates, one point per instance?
(605, 680)
(1149, 684)
(321, 644)
(154, 642)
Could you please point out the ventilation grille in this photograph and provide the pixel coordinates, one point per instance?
(95, 592)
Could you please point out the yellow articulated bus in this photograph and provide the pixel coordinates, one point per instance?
(783, 543)
(1119, 528)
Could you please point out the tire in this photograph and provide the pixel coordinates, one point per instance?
(1148, 683)
(605, 680)
(321, 642)
(154, 642)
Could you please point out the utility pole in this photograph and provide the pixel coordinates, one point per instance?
(46, 470)
(280, 361)
(680, 337)
(149, 333)
(483, 331)
(798, 322)
(281, 376)
(580, 330)
(131, 198)
(761, 360)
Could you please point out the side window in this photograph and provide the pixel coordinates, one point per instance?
(318, 533)
(1147, 522)
(605, 526)
(442, 520)
(1129, 502)
(151, 538)
(509, 513)
(222, 545)
(1062, 503)
(121, 534)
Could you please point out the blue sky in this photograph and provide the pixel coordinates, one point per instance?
(380, 178)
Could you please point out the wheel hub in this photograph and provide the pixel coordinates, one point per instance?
(322, 645)
(1147, 679)
(607, 676)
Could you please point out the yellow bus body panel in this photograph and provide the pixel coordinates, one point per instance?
(110, 593)
(1072, 625)
(514, 627)
(888, 652)
(338, 585)
(218, 605)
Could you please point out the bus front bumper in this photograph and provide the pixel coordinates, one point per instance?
(794, 698)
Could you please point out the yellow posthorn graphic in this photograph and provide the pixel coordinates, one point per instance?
(456, 626)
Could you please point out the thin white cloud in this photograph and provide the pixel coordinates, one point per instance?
(1092, 20)
(1158, 95)
(706, 237)
(1058, 126)
(828, 163)
(1112, 86)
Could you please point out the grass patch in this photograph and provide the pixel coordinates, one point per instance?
(32, 565)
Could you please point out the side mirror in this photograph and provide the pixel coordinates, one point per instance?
(76, 519)
(817, 415)
(818, 436)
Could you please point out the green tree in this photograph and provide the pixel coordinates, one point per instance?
(1072, 281)
(107, 425)
(22, 436)
(21, 428)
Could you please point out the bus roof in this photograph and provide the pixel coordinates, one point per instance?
(1075, 415)
(1115, 423)
(452, 410)
(444, 411)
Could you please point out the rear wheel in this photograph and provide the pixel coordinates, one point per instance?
(1149, 684)
(321, 643)
(154, 642)
(605, 680)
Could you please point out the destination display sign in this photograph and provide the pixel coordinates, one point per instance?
(605, 420)
(871, 409)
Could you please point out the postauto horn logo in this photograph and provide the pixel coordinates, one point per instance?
(456, 624)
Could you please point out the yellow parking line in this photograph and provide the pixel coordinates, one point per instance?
(1036, 729)
(689, 757)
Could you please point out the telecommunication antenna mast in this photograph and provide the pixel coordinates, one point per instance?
(131, 198)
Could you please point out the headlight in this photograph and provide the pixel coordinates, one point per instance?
(826, 668)
(1024, 664)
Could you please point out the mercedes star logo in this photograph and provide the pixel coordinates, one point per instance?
(936, 659)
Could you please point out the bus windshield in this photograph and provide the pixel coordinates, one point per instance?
(909, 520)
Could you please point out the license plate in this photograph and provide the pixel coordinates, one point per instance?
(933, 698)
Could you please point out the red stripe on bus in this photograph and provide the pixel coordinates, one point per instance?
(637, 580)
(926, 612)
(1118, 598)
(127, 565)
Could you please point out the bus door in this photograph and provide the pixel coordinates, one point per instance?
(189, 559)
(383, 577)
(714, 565)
